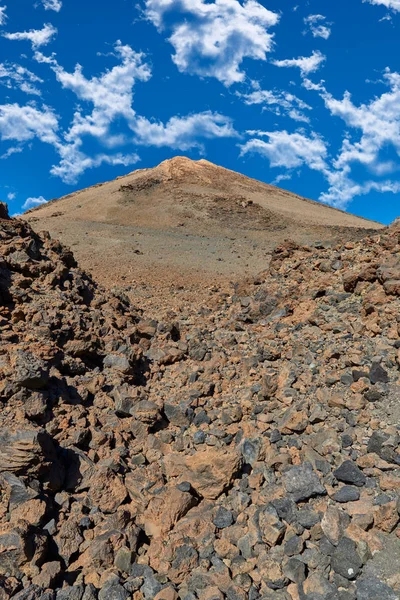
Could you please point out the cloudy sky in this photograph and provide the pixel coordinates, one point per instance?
(305, 96)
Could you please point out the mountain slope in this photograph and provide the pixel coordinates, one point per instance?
(186, 221)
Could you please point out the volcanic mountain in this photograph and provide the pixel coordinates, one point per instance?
(186, 222)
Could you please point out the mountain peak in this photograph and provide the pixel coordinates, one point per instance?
(187, 221)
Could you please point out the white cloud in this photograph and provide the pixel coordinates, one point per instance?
(37, 37)
(3, 16)
(318, 26)
(211, 39)
(111, 98)
(279, 102)
(11, 150)
(11, 196)
(24, 123)
(290, 150)
(32, 202)
(13, 75)
(379, 124)
(183, 133)
(280, 178)
(74, 162)
(391, 4)
(111, 94)
(55, 5)
(306, 64)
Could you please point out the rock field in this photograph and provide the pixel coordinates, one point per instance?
(249, 449)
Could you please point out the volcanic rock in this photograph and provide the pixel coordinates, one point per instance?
(243, 449)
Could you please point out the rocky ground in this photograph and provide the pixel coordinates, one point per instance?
(247, 449)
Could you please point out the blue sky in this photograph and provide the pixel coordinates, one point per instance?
(305, 96)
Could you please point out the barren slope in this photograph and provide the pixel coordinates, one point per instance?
(186, 222)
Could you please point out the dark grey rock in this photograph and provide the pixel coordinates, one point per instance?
(251, 450)
(382, 499)
(51, 527)
(223, 518)
(201, 418)
(113, 591)
(293, 546)
(325, 546)
(345, 559)
(286, 509)
(90, 592)
(177, 414)
(377, 374)
(73, 592)
(253, 593)
(117, 362)
(345, 595)
(19, 493)
(4, 211)
(376, 441)
(302, 483)
(371, 588)
(29, 371)
(85, 523)
(349, 472)
(347, 494)
(347, 441)
(33, 592)
(307, 517)
(372, 396)
(295, 570)
(275, 436)
(133, 584)
(184, 486)
(197, 350)
(199, 437)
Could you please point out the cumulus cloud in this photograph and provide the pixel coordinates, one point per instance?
(108, 98)
(306, 64)
(111, 93)
(318, 26)
(211, 39)
(37, 37)
(24, 123)
(279, 102)
(55, 5)
(3, 16)
(290, 150)
(74, 162)
(13, 76)
(378, 125)
(11, 196)
(391, 4)
(32, 202)
(183, 133)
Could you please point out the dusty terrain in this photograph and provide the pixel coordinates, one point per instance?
(185, 225)
(246, 449)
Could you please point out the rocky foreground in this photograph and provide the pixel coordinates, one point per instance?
(246, 452)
